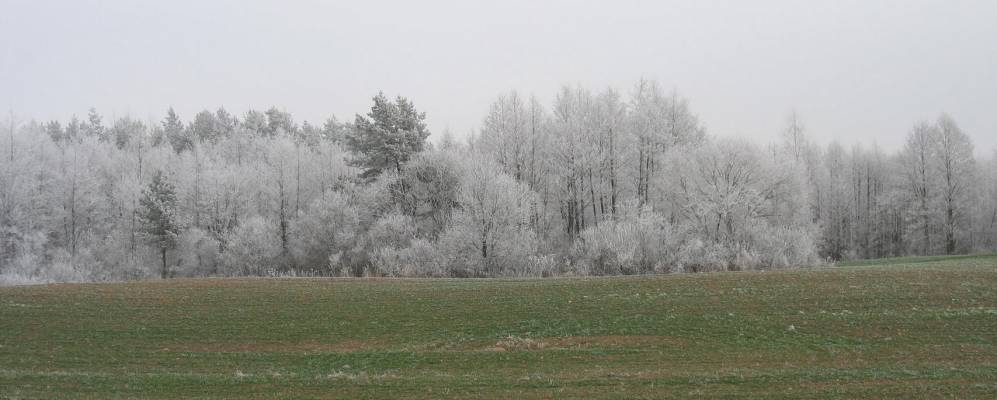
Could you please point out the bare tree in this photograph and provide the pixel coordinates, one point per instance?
(918, 158)
(956, 166)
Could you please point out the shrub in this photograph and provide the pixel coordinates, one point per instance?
(636, 242)
(252, 249)
(386, 236)
(780, 247)
(417, 260)
(30, 266)
(327, 227)
(197, 253)
(696, 255)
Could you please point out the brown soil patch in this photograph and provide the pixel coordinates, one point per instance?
(345, 346)
(570, 342)
(616, 341)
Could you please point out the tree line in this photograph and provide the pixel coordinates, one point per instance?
(594, 183)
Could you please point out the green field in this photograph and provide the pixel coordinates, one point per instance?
(910, 329)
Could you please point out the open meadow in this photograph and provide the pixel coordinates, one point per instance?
(910, 328)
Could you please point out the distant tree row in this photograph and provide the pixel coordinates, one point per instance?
(593, 183)
(207, 127)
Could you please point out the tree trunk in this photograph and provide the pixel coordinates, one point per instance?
(950, 230)
(640, 173)
(612, 175)
(595, 215)
(297, 180)
(162, 252)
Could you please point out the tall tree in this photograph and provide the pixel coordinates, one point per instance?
(73, 130)
(504, 134)
(917, 159)
(646, 123)
(173, 128)
(333, 131)
(226, 123)
(54, 131)
(125, 130)
(956, 167)
(158, 213)
(795, 137)
(280, 123)
(12, 121)
(387, 137)
(206, 126)
(611, 118)
(838, 207)
(256, 122)
(93, 127)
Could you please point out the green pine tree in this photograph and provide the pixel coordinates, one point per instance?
(387, 137)
(175, 132)
(160, 225)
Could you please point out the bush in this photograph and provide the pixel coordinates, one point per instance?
(197, 253)
(418, 260)
(763, 247)
(327, 228)
(781, 247)
(508, 252)
(636, 242)
(30, 266)
(544, 265)
(696, 255)
(385, 237)
(252, 249)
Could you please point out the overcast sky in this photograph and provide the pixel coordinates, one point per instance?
(856, 71)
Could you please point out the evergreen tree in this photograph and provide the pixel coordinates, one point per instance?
(387, 137)
(309, 135)
(157, 211)
(54, 131)
(332, 130)
(73, 130)
(280, 123)
(206, 126)
(256, 122)
(175, 133)
(226, 122)
(125, 130)
(93, 126)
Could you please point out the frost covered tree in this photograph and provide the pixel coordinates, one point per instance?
(738, 208)
(206, 126)
(93, 126)
(125, 130)
(176, 134)
(659, 122)
(427, 191)
(280, 123)
(956, 168)
(987, 220)
(917, 157)
(505, 134)
(387, 137)
(836, 210)
(490, 230)
(256, 123)
(518, 134)
(55, 131)
(611, 118)
(160, 223)
(324, 232)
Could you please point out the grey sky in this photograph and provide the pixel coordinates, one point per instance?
(856, 71)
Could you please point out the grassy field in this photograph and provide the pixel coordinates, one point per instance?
(910, 329)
